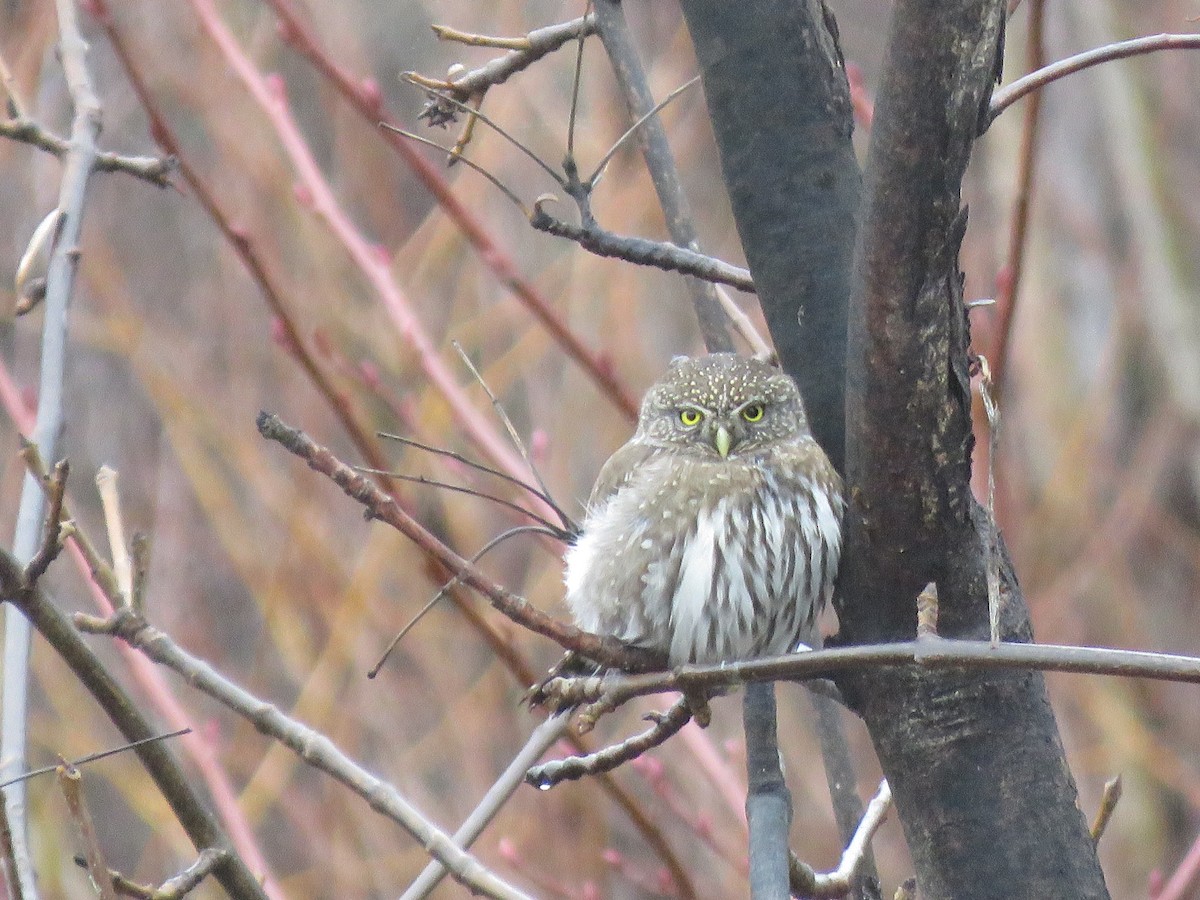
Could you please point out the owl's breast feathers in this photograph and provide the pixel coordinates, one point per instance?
(708, 560)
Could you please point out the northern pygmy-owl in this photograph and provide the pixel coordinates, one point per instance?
(714, 534)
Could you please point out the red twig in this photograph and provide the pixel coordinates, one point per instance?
(364, 96)
(1007, 284)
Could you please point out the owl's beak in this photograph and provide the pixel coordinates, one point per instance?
(723, 441)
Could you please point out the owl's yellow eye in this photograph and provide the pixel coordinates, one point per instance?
(690, 417)
(753, 412)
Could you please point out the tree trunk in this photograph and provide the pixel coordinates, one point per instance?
(974, 759)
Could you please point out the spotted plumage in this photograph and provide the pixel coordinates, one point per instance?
(714, 533)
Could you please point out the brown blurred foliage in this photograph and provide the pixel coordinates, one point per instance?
(273, 576)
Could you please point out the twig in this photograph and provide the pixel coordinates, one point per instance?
(645, 117)
(541, 494)
(571, 768)
(311, 745)
(154, 169)
(455, 154)
(202, 829)
(1007, 96)
(502, 415)
(642, 252)
(96, 757)
(807, 883)
(70, 782)
(60, 280)
(513, 776)
(1014, 266)
(110, 502)
(525, 52)
(302, 37)
(606, 651)
(547, 526)
(1108, 804)
(934, 653)
(175, 888)
(52, 544)
(452, 583)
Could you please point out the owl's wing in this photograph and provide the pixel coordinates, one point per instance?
(616, 473)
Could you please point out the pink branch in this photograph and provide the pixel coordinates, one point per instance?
(268, 92)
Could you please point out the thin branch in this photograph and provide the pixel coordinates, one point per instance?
(808, 883)
(95, 757)
(571, 768)
(548, 526)
(310, 745)
(487, 470)
(60, 282)
(301, 36)
(605, 650)
(452, 583)
(502, 415)
(453, 153)
(576, 80)
(535, 45)
(928, 653)
(202, 829)
(154, 169)
(1007, 96)
(642, 252)
(632, 129)
(505, 786)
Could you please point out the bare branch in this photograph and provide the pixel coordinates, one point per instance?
(571, 768)
(1007, 96)
(154, 169)
(525, 52)
(640, 251)
(313, 747)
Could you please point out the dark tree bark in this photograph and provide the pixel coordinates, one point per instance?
(780, 108)
(975, 761)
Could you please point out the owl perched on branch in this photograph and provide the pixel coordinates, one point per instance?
(713, 535)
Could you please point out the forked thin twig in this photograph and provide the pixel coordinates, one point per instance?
(478, 114)
(574, 767)
(471, 165)
(577, 78)
(456, 580)
(502, 415)
(604, 160)
(94, 757)
(549, 526)
(568, 524)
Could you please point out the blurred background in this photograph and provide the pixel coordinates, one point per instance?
(266, 570)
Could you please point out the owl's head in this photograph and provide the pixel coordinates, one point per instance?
(722, 405)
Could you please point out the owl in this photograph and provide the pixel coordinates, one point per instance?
(713, 535)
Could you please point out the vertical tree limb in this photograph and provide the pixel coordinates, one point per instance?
(780, 107)
(60, 280)
(980, 779)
